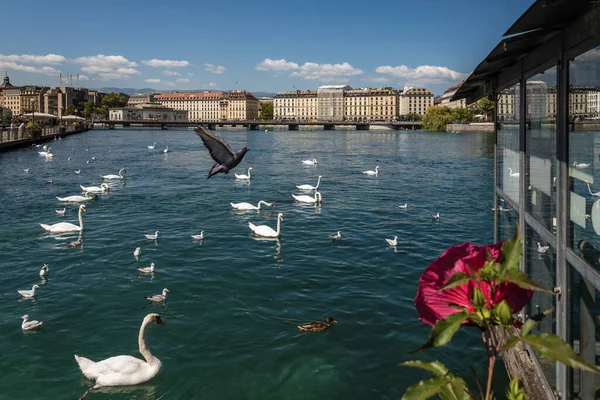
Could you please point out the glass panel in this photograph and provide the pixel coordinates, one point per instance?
(541, 148)
(508, 142)
(584, 146)
(507, 219)
(585, 334)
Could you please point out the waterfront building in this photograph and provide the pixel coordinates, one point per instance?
(365, 104)
(330, 102)
(415, 101)
(445, 99)
(594, 103)
(140, 98)
(147, 112)
(296, 105)
(240, 105)
(506, 105)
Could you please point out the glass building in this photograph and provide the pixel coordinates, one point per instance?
(547, 154)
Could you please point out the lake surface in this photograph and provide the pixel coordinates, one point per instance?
(234, 301)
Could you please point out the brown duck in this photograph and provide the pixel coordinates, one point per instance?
(317, 326)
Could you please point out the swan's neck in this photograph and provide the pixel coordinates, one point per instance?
(142, 342)
(248, 172)
(318, 182)
(80, 219)
(278, 225)
(261, 202)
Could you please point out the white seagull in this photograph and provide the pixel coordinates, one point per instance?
(26, 170)
(147, 270)
(310, 187)
(27, 325)
(392, 242)
(310, 162)
(112, 176)
(248, 206)
(158, 298)
(137, 252)
(337, 236)
(371, 172)
(308, 199)
(44, 271)
(152, 147)
(103, 188)
(405, 206)
(28, 293)
(267, 231)
(436, 217)
(61, 212)
(153, 237)
(542, 249)
(198, 237)
(78, 171)
(166, 150)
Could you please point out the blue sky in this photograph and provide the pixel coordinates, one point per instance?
(262, 45)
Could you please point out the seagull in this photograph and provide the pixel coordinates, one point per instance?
(220, 151)
(61, 212)
(198, 237)
(26, 170)
(337, 236)
(77, 243)
(147, 270)
(137, 252)
(542, 249)
(392, 242)
(69, 159)
(44, 271)
(152, 147)
(405, 206)
(580, 165)
(436, 217)
(29, 325)
(166, 150)
(28, 293)
(153, 237)
(93, 158)
(48, 181)
(159, 298)
(78, 171)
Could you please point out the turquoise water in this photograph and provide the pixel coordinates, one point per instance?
(234, 301)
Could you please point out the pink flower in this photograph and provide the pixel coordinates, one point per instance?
(432, 304)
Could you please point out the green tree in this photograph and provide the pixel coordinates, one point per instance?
(437, 117)
(88, 109)
(413, 117)
(463, 115)
(485, 106)
(266, 111)
(113, 100)
(70, 110)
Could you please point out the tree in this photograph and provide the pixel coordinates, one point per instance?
(266, 111)
(89, 108)
(412, 117)
(485, 106)
(463, 115)
(437, 117)
(113, 100)
(70, 110)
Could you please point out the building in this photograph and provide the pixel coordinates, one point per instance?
(147, 112)
(594, 103)
(330, 102)
(296, 105)
(365, 104)
(140, 98)
(445, 99)
(212, 106)
(241, 105)
(506, 105)
(415, 101)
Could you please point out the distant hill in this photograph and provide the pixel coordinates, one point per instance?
(131, 91)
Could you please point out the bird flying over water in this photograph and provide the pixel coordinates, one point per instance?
(220, 151)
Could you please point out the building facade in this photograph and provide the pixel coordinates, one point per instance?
(140, 98)
(445, 99)
(415, 101)
(296, 106)
(147, 112)
(330, 102)
(365, 104)
(212, 106)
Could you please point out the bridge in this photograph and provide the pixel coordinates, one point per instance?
(255, 125)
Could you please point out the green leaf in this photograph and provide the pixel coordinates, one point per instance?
(455, 389)
(436, 367)
(533, 321)
(510, 343)
(502, 314)
(554, 348)
(424, 389)
(444, 329)
(521, 279)
(478, 299)
(512, 251)
(459, 278)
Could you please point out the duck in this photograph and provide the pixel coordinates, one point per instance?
(337, 236)
(61, 212)
(152, 147)
(436, 217)
(403, 206)
(153, 237)
(308, 199)
(371, 172)
(44, 270)
(392, 242)
(244, 177)
(77, 198)
(198, 237)
(28, 293)
(159, 298)
(248, 206)
(580, 165)
(542, 249)
(77, 171)
(124, 370)
(103, 188)
(27, 325)
(310, 162)
(113, 176)
(166, 150)
(147, 270)
(62, 227)
(267, 231)
(317, 326)
(137, 252)
(310, 187)
(513, 174)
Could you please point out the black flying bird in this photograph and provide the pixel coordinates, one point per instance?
(220, 151)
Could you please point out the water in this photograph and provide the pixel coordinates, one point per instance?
(234, 301)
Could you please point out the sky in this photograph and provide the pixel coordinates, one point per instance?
(269, 46)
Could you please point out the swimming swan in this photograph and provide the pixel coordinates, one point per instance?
(103, 188)
(308, 199)
(112, 176)
(267, 231)
(244, 177)
(248, 206)
(66, 226)
(310, 187)
(310, 162)
(371, 172)
(77, 198)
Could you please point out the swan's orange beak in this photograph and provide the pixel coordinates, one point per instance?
(159, 321)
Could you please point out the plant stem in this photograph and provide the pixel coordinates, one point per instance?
(476, 381)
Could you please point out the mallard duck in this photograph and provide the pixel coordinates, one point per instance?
(317, 326)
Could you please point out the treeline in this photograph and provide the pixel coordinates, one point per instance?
(437, 117)
(92, 110)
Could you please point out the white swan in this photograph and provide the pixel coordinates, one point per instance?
(103, 188)
(61, 212)
(152, 147)
(159, 298)
(310, 162)
(597, 194)
(66, 226)
(77, 198)
(166, 150)
(248, 206)
(337, 236)
(147, 270)
(112, 176)
(267, 231)
(310, 187)
(392, 242)
(124, 370)
(371, 172)
(542, 249)
(513, 174)
(28, 293)
(27, 325)
(580, 165)
(153, 237)
(78, 171)
(198, 237)
(405, 206)
(244, 177)
(44, 271)
(137, 252)
(308, 199)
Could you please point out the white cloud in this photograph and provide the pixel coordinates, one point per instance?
(108, 67)
(46, 70)
(83, 77)
(190, 74)
(166, 63)
(422, 75)
(182, 80)
(215, 69)
(152, 80)
(211, 84)
(53, 59)
(276, 65)
(171, 73)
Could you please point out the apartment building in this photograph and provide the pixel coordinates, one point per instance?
(140, 98)
(415, 100)
(330, 102)
(367, 104)
(445, 99)
(296, 105)
(212, 106)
